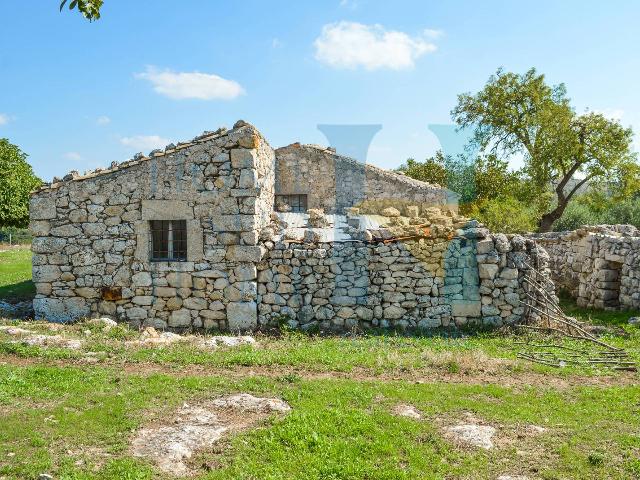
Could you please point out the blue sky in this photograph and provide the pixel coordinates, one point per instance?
(78, 95)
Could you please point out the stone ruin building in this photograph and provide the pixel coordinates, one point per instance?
(224, 232)
(598, 265)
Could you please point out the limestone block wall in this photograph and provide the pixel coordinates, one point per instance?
(91, 247)
(471, 279)
(598, 265)
(333, 182)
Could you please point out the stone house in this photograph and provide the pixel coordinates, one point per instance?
(224, 232)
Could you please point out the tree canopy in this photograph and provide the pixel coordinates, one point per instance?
(90, 9)
(521, 115)
(16, 182)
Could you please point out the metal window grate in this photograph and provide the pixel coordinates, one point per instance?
(168, 240)
(291, 203)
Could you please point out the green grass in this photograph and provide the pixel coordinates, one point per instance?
(600, 317)
(15, 274)
(64, 416)
(75, 423)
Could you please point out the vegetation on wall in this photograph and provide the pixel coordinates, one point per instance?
(17, 180)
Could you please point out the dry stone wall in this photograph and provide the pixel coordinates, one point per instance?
(598, 265)
(333, 182)
(399, 257)
(472, 279)
(91, 235)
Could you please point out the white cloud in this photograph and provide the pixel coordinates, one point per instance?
(144, 142)
(75, 156)
(432, 33)
(180, 85)
(351, 45)
(103, 120)
(4, 118)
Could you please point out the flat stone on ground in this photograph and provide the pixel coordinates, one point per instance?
(173, 442)
(475, 435)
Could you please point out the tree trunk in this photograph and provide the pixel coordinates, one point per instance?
(548, 219)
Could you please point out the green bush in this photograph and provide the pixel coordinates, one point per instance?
(582, 211)
(505, 214)
(626, 212)
(576, 215)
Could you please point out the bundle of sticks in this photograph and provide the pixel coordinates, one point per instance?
(543, 314)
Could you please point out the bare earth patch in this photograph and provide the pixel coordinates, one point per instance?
(198, 427)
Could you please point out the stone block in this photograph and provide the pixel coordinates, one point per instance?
(136, 313)
(165, 291)
(245, 272)
(60, 310)
(180, 318)
(195, 303)
(484, 246)
(244, 253)
(394, 312)
(179, 279)
(487, 270)
(232, 223)
(46, 273)
(42, 208)
(248, 178)
(141, 279)
(509, 273)
(48, 244)
(242, 316)
(40, 228)
(490, 310)
(87, 292)
(466, 308)
(243, 158)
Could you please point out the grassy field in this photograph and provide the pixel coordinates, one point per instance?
(15, 274)
(72, 412)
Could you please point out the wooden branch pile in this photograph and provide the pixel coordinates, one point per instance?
(543, 314)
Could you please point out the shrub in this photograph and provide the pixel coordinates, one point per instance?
(575, 215)
(505, 214)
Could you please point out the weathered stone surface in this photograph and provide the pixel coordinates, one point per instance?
(46, 273)
(487, 270)
(180, 318)
(196, 427)
(179, 279)
(476, 435)
(465, 308)
(241, 253)
(42, 208)
(141, 279)
(242, 316)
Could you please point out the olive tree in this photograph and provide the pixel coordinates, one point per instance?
(563, 151)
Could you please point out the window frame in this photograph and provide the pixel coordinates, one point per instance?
(298, 202)
(171, 234)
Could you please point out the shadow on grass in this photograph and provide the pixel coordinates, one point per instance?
(17, 292)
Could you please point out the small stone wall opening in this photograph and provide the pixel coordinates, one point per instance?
(608, 279)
